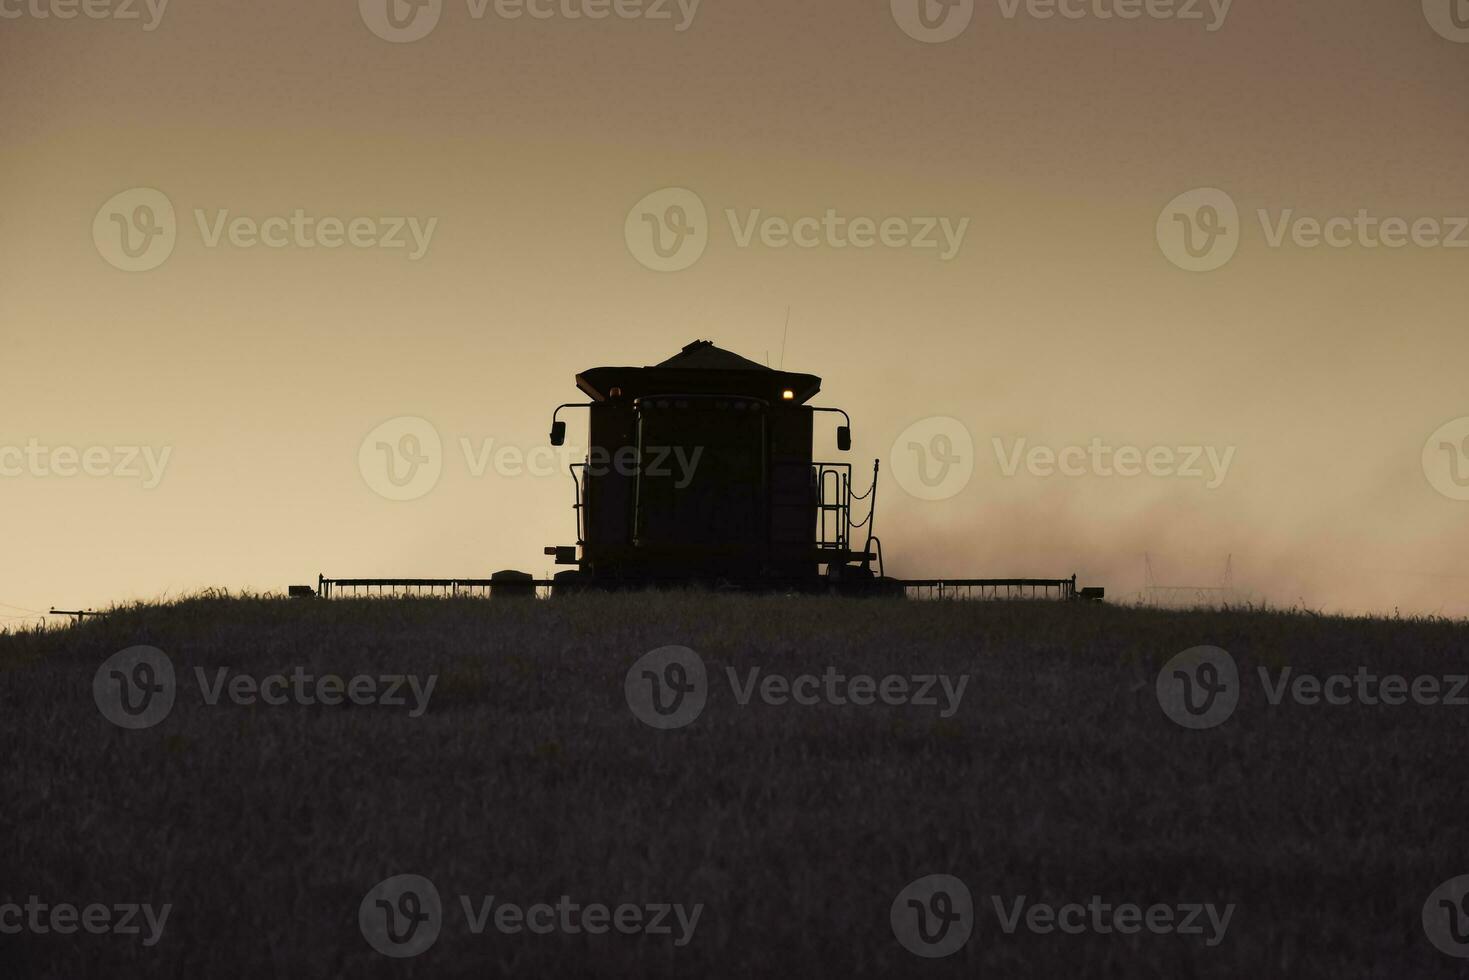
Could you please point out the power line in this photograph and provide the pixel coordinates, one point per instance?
(77, 614)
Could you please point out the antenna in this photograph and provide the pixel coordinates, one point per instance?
(785, 333)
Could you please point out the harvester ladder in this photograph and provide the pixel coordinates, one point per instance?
(834, 511)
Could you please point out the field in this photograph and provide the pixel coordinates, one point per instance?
(527, 776)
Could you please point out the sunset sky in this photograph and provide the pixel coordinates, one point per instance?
(449, 228)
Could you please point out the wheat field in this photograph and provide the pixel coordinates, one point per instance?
(526, 775)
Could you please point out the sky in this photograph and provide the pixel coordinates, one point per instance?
(1102, 284)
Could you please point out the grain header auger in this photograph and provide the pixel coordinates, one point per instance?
(701, 472)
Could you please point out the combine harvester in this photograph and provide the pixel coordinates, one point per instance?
(701, 472)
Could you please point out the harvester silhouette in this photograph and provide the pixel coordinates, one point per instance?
(701, 472)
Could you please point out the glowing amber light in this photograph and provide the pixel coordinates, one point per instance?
(788, 394)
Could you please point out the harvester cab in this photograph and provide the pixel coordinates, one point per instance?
(701, 470)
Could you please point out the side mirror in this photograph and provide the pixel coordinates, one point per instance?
(844, 438)
(558, 433)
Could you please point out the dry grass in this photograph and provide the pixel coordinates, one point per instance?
(528, 778)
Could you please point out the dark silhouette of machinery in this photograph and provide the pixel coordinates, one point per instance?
(701, 470)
